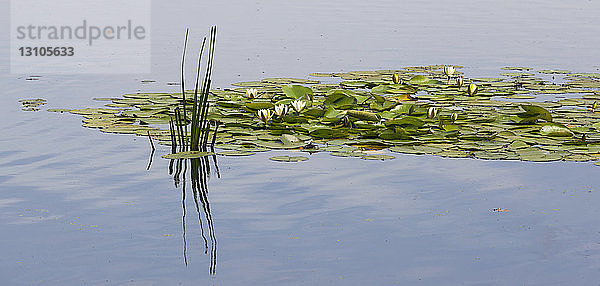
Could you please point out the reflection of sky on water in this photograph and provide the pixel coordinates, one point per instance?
(415, 216)
(325, 221)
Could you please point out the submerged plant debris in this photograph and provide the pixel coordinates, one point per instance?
(528, 115)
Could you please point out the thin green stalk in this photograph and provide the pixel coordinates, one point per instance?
(212, 144)
(173, 141)
(206, 89)
(195, 119)
(183, 79)
(182, 134)
(179, 126)
(204, 123)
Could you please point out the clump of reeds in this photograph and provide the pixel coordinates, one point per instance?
(199, 124)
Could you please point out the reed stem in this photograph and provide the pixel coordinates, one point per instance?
(187, 30)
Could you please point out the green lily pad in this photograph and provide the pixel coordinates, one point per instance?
(393, 89)
(187, 155)
(532, 114)
(394, 134)
(279, 145)
(420, 79)
(328, 133)
(298, 92)
(321, 74)
(517, 144)
(256, 105)
(363, 115)
(405, 121)
(517, 68)
(554, 71)
(288, 158)
(555, 129)
(86, 111)
(59, 110)
(486, 155)
(339, 99)
(354, 84)
(235, 153)
(248, 84)
(380, 157)
(333, 115)
(384, 105)
(347, 154)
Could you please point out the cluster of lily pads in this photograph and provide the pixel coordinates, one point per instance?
(32, 104)
(544, 115)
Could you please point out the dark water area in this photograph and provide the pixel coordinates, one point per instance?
(79, 207)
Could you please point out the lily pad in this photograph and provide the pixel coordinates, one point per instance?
(339, 99)
(347, 154)
(257, 105)
(288, 158)
(384, 105)
(363, 115)
(59, 110)
(328, 133)
(235, 153)
(420, 79)
(187, 155)
(555, 129)
(405, 121)
(296, 91)
(380, 157)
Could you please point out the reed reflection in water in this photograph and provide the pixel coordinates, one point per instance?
(200, 173)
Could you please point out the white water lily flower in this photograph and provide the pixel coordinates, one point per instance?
(449, 70)
(265, 115)
(432, 112)
(252, 93)
(472, 89)
(460, 81)
(281, 110)
(454, 116)
(298, 105)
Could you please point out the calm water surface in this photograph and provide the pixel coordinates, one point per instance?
(78, 207)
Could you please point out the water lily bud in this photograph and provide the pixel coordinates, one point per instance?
(460, 82)
(472, 90)
(449, 70)
(595, 105)
(252, 93)
(281, 110)
(298, 105)
(265, 115)
(432, 112)
(396, 78)
(454, 116)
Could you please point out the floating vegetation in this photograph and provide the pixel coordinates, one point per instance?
(187, 155)
(236, 153)
(527, 115)
(32, 104)
(381, 157)
(289, 158)
(197, 139)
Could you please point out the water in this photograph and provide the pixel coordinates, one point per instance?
(78, 207)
